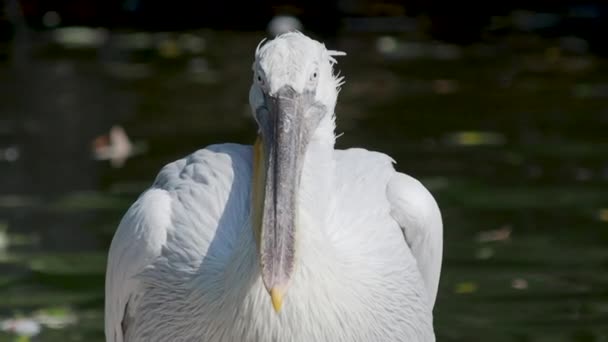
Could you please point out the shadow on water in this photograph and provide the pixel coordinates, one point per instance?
(509, 136)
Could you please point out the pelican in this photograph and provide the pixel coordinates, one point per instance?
(288, 239)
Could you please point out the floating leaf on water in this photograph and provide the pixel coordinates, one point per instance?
(9, 154)
(603, 215)
(80, 37)
(465, 287)
(475, 138)
(21, 326)
(484, 253)
(501, 234)
(386, 45)
(56, 317)
(519, 284)
(116, 147)
(168, 48)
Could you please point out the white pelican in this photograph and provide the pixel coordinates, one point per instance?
(286, 240)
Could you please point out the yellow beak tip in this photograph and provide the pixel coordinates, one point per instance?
(277, 299)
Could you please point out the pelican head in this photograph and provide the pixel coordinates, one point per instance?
(293, 91)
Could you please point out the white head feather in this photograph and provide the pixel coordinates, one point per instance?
(294, 59)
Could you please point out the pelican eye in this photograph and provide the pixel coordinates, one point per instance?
(312, 80)
(261, 80)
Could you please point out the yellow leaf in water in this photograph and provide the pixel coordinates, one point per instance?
(603, 215)
(476, 138)
(465, 287)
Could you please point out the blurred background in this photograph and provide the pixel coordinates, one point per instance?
(500, 108)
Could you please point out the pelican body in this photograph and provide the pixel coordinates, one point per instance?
(286, 240)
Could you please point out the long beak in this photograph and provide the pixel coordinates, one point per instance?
(287, 123)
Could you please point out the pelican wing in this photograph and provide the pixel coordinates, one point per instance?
(173, 223)
(136, 244)
(418, 215)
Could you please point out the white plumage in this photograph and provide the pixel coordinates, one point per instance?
(184, 264)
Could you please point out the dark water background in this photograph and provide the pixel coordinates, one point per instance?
(509, 133)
